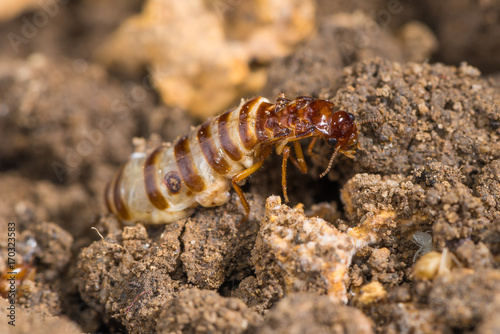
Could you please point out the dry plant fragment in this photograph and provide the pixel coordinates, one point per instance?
(372, 292)
(433, 264)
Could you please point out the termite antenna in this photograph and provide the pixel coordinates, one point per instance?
(330, 163)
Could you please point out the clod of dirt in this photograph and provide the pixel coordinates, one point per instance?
(292, 75)
(204, 311)
(41, 298)
(418, 41)
(487, 186)
(459, 214)
(171, 56)
(328, 211)
(215, 245)
(383, 266)
(10, 8)
(408, 318)
(27, 321)
(294, 253)
(371, 293)
(43, 250)
(30, 202)
(129, 275)
(475, 256)
(435, 200)
(68, 123)
(462, 297)
(491, 322)
(460, 300)
(314, 69)
(50, 248)
(467, 31)
(217, 67)
(267, 29)
(435, 197)
(30, 293)
(427, 111)
(61, 117)
(327, 7)
(308, 313)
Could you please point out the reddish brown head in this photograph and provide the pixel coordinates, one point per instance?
(343, 131)
(342, 135)
(337, 127)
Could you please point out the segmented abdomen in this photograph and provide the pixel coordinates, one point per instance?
(166, 184)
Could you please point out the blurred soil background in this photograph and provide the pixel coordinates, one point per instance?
(404, 238)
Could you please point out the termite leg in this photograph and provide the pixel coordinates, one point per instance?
(301, 162)
(241, 176)
(311, 146)
(286, 154)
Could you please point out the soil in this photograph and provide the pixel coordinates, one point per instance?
(402, 238)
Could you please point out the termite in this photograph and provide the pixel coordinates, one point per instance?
(200, 167)
(14, 277)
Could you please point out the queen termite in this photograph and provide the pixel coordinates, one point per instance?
(200, 167)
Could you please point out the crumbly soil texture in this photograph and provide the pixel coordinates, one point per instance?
(402, 238)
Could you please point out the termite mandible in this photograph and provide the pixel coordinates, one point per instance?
(200, 167)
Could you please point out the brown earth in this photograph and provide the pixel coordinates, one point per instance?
(350, 259)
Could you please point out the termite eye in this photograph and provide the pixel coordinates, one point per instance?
(332, 141)
(351, 116)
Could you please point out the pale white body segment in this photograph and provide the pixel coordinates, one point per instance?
(182, 176)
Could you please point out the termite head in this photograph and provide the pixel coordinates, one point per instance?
(340, 132)
(343, 132)
(336, 127)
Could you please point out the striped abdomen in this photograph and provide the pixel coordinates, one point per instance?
(166, 184)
